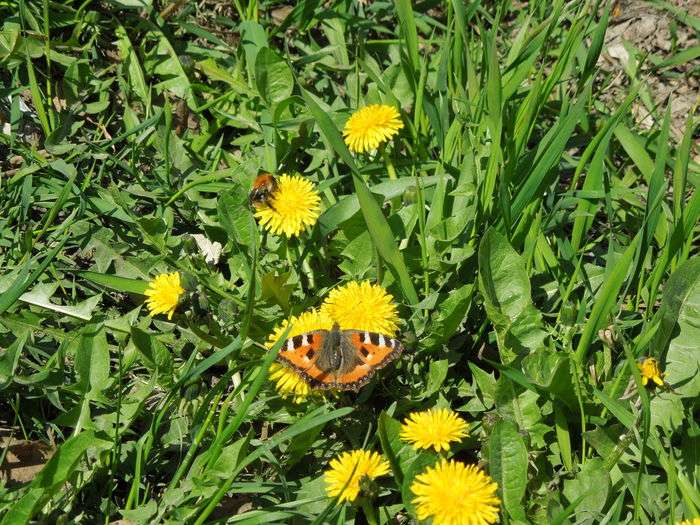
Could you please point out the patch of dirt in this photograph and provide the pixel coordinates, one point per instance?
(23, 459)
(641, 32)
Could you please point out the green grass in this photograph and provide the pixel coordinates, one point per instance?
(536, 239)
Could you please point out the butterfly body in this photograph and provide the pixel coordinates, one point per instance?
(339, 359)
(264, 186)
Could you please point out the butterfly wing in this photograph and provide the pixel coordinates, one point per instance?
(369, 351)
(301, 354)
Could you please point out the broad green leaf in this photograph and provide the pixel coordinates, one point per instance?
(422, 461)
(667, 411)
(273, 77)
(22, 511)
(172, 70)
(437, 372)
(229, 458)
(680, 329)
(485, 382)
(593, 483)
(130, 61)
(236, 217)
(253, 39)
(92, 359)
(276, 289)
(41, 295)
(65, 460)
(450, 314)
(10, 357)
(388, 430)
(551, 371)
(507, 455)
(505, 287)
(154, 354)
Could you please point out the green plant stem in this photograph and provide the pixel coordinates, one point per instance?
(302, 265)
(389, 163)
(424, 239)
(189, 457)
(369, 511)
(578, 390)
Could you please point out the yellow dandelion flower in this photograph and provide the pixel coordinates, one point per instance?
(293, 207)
(362, 306)
(436, 428)
(370, 126)
(306, 322)
(453, 493)
(164, 293)
(349, 469)
(694, 521)
(288, 383)
(650, 369)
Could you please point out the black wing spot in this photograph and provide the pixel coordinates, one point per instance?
(296, 341)
(374, 338)
(310, 354)
(364, 351)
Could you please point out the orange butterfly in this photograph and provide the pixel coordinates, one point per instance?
(340, 359)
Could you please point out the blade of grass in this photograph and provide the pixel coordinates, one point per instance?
(655, 193)
(594, 177)
(548, 154)
(37, 96)
(606, 299)
(635, 149)
(409, 34)
(121, 284)
(596, 45)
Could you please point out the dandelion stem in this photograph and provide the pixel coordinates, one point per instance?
(369, 511)
(389, 163)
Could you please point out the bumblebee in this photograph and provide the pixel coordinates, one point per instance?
(263, 188)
